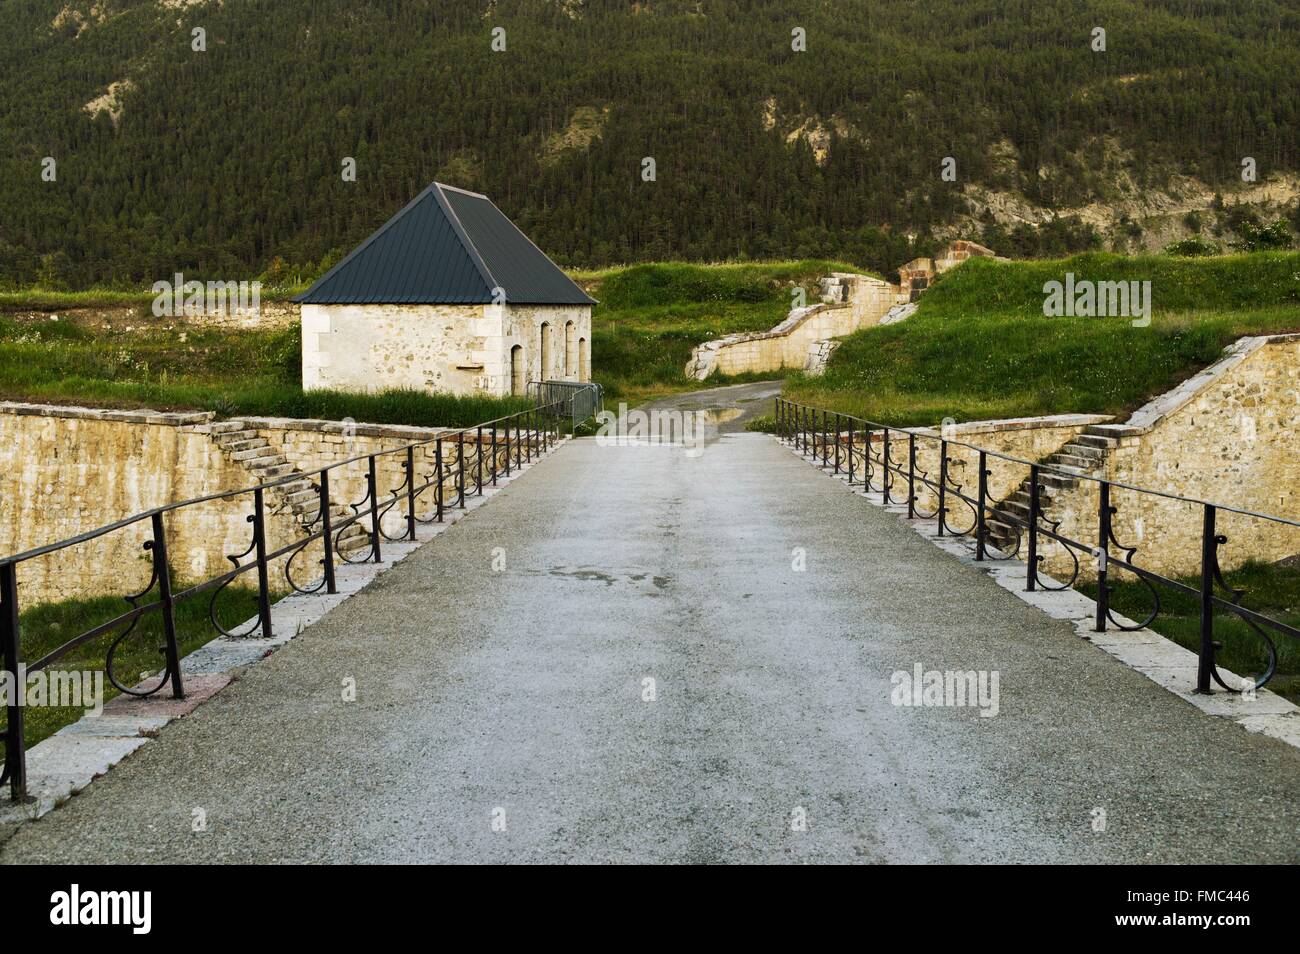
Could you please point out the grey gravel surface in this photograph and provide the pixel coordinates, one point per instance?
(519, 695)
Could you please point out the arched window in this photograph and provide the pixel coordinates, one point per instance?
(584, 368)
(570, 358)
(544, 352)
(517, 370)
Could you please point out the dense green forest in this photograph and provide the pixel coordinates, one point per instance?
(227, 162)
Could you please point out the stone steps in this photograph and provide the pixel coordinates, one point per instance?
(1085, 456)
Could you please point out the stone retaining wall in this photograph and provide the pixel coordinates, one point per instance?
(858, 301)
(67, 470)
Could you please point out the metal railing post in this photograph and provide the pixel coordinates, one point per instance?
(884, 493)
(942, 513)
(373, 483)
(15, 750)
(162, 568)
(1103, 556)
(410, 492)
(327, 532)
(494, 455)
(528, 444)
(437, 473)
(979, 510)
(508, 460)
(479, 461)
(826, 436)
(838, 425)
(1031, 570)
(850, 452)
(911, 475)
(460, 468)
(263, 582)
(1208, 544)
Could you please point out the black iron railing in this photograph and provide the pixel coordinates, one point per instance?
(583, 399)
(884, 461)
(437, 475)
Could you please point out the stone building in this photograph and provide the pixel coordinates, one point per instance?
(447, 296)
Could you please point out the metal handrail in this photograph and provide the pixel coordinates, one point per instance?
(511, 441)
(586, 399)
(809, 429)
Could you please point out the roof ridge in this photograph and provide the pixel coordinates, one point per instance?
(367, 243)
(465, 240)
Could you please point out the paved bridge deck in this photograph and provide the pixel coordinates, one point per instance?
(521, 691)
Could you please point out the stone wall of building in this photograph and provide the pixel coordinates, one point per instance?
(461, 349)
(568, 342)
(420, 347)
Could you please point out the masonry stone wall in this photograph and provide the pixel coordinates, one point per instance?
(1229, 435)
(270, 314)
(855, 302)
(64, 471)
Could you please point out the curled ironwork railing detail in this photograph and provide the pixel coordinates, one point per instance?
(1127, 562)
(312, 529)
(239, 567)
(110, 659)
(1236, 595)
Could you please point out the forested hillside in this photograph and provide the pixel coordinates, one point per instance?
(227, 162)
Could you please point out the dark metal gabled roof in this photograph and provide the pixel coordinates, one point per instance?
(448, 246)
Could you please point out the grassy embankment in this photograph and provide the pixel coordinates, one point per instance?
(979, 346)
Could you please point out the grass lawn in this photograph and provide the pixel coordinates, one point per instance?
(47, 626)
(231, 371)
(1271, 589)
(979, 346)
